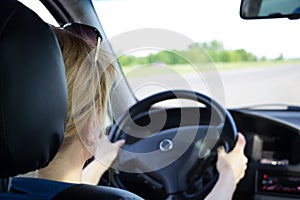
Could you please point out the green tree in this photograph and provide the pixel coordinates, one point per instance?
(196, 53)
(280, 57)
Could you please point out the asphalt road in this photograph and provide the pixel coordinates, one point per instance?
(262, 85)
(232, 88)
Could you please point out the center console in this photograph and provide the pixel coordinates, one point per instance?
(278, 183)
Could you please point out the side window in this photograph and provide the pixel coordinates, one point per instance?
(41, 10)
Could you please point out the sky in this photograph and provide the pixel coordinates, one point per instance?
(200, 21)
(203, 21)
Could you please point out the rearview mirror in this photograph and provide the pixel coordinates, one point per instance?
(264, 9)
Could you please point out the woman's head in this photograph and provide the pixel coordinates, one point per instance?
(88, 81)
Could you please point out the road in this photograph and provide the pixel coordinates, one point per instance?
(262, 85)
(232, 88)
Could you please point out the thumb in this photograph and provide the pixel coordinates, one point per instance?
(241, 143)
(119, 143)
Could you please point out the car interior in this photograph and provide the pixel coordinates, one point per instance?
(34, 104)
(170, 151)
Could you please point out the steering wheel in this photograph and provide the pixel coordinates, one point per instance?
(176, 155)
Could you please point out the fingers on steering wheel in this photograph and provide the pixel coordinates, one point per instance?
(119, 143)
(221, 150)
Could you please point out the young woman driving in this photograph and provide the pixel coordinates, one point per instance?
(89, 82)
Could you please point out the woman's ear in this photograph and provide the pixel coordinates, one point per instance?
(92, 130)
(89, 132)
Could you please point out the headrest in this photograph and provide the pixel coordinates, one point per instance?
(33, 92)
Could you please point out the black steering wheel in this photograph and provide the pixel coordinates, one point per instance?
(175, 153)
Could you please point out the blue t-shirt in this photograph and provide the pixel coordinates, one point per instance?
(34, 189)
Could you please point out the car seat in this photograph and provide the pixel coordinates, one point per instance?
(33, 109)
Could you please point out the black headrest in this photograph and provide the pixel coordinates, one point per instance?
(33, 93)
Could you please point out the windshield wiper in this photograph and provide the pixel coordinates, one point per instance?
(275, 106)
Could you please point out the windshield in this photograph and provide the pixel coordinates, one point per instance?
(204, 46)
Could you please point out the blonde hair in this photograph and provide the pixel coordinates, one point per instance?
(88, 84)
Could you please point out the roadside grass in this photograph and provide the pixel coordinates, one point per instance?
(225, 66)
(146, 70)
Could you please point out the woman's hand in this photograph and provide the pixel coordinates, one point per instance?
(105, 154)
(234, 162)
(231, 167)
(106, 151)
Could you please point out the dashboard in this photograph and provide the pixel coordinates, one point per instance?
(273, 151)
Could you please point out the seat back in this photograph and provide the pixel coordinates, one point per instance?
(33, 92)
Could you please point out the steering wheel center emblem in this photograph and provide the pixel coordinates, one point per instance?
(166, 145)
